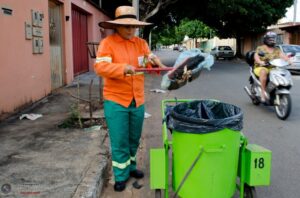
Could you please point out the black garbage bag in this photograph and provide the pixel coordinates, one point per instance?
(177, 76)
(187, 68)
(203, 116)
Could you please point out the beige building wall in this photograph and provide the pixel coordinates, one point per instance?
(189, 43)
(26, 77)
(229, 42)
(209, 43)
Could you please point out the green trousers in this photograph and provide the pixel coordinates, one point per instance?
(124, 127)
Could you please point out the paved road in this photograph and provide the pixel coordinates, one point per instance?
(225, 82)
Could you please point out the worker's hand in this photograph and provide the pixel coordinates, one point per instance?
(129, 69)
(151, 59)
(262, 63)
(154, 60)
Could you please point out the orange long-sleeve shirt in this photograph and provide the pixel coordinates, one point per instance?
(114, 53)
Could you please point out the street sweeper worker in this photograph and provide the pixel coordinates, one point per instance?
(117, 58)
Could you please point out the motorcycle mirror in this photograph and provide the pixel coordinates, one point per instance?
(261, 54)
(292, 54)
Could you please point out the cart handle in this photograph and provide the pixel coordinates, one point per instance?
(215, 149)
(141, 71)
(154, 69)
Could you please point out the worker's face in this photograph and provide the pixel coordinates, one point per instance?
(126, 31)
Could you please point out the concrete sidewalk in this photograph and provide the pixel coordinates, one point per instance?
(40, 159)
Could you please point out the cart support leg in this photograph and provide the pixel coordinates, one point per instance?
(166, 170)
(242, 167)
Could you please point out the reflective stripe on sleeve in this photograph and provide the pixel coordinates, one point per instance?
(103, 59)
(133, 158)
(121, 165)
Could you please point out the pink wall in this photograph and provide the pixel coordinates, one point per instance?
(24, 77)
(95, 16)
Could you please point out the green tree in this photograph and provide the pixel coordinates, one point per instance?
(168, 35)
(229, 18)
(194, 29)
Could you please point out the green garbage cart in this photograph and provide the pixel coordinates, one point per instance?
(209, 153)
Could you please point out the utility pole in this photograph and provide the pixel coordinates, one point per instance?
(135, 4)
(150, 41)
(295, 11)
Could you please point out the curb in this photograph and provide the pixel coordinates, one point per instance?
(94, 178)
(92, 183)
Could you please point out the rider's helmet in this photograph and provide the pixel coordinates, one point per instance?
(270, 39)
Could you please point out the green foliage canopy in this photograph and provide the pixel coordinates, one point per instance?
(194, 29)
(168, 35)
(230, 18)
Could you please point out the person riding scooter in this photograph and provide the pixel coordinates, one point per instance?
(270, 52)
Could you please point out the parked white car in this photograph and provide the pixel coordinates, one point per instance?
(182, 48)
(289, 50)
(225, 52)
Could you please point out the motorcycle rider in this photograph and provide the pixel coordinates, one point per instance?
(270, 52)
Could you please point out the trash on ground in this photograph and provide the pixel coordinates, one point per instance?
(31, 116)
(157, 90)
(147, 115)
(136, 185)
(93, 128)
(95, 115)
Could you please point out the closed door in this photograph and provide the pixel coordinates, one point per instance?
(295, 38)
(55, 34)
(80, 38)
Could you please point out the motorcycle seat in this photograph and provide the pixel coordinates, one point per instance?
(250, 58)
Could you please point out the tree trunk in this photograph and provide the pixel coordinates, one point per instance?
(239, 46)
(146, 33)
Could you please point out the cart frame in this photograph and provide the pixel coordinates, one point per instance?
(247, 173)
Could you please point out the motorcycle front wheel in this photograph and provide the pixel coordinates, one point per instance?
(254, 100)
(284, 107)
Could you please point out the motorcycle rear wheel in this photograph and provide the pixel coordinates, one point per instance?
(283, 109)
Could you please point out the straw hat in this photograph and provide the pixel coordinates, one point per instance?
(124, 15)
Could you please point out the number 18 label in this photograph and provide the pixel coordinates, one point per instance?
(259, 163)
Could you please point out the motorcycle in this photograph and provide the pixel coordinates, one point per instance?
(278, 86)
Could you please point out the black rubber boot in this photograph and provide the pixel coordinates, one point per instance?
(120, 186)
(137, 174)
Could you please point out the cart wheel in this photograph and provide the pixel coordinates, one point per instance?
(157, 193)
(249, 192)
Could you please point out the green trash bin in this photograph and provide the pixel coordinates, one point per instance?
(206, 144)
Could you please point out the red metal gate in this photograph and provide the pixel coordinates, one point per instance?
(80, 37)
